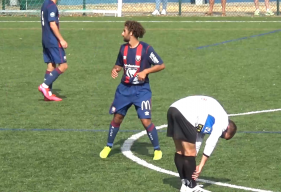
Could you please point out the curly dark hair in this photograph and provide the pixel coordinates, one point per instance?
(136, 28)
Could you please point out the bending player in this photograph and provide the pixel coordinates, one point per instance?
(189, 119)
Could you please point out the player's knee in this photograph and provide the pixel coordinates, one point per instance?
(118, 119)
(63, 67)
(51, 66)
(146, 122)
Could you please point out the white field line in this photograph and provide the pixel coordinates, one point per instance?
(148, 21)
(126, 150)
(254, 112)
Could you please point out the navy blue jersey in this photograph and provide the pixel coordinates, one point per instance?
(135, 60)
(49, 13)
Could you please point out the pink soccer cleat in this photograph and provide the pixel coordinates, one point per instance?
(53, 98)
(44, 91)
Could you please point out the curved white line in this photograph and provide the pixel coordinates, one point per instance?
(126, 150)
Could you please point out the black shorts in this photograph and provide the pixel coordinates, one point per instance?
(179, 128)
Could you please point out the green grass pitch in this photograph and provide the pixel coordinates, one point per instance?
(54, 146)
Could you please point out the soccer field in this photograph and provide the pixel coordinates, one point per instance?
(55, 146)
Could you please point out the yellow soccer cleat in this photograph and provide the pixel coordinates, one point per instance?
(157, 155)
(104, 153)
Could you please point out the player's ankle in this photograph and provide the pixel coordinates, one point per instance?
(45, 86)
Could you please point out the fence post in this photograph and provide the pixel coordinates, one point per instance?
(84, 6)
(3, 4)
(180, 7)
(119, 8)
(278, 11)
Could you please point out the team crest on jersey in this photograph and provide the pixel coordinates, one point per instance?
(138, 57)
(52, 14)
(130, 72)
(113, 109)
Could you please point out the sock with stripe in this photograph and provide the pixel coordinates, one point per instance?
(153, 136)
(113, 130)
(52, 76)
(51, 85)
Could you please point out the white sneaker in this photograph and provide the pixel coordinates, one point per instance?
(183, 188)
(268, 13)
(156, 12)
(257, 12)
(197, 189)
(163, 12)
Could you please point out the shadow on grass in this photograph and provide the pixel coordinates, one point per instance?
(117, 147)
(176, 183)
(56, 92)
(142, 148)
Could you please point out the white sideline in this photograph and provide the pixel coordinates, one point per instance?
(126, 150)
(145, 21)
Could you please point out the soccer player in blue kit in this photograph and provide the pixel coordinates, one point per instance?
(53, 48)
(136, 59)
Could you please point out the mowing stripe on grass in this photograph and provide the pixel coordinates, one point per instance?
(126, 150)
(122, 130)
(148, 21)
(200, 47)
(242, 38)
(148, 29)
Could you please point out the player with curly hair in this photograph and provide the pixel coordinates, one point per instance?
(138, 60)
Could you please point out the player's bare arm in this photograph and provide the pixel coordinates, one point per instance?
(141, 75)
(200, 167)
(115, 70)
(56, 31)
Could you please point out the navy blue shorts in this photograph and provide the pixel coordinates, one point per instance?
(54, 55)
(128, 95)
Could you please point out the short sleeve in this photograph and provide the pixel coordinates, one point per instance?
(119, 60)
(52, 13)
(153, 57)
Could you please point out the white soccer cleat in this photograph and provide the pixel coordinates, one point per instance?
(163, 12)
(156, 12)
(183, 188)
(198, 189)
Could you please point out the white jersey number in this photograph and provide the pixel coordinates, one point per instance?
(42, 18)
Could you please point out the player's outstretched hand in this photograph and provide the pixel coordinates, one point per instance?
(114, 73)
(63, 44)
(197, 172)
